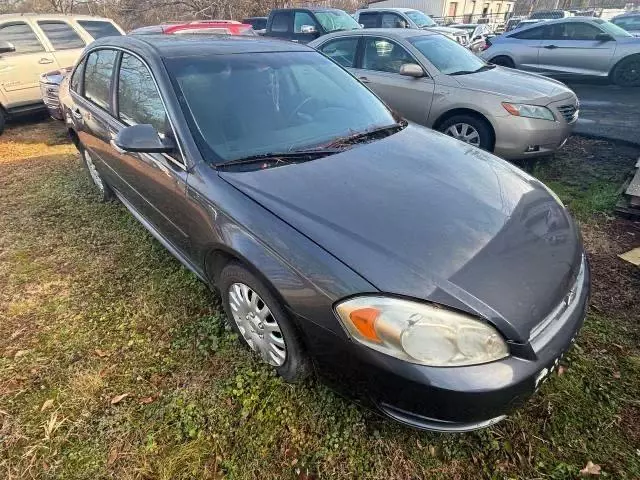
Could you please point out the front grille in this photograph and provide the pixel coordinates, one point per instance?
(50, 95)
(568, 112)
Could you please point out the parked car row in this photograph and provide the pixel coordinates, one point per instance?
(435, 282)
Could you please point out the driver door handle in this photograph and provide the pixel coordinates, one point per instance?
(364, 79)
(550, 47)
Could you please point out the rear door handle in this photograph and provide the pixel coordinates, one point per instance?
(45, 61)
(364, 79)
(550, 47)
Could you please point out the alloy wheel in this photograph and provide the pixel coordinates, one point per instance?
(630, 74)
(257, 324)
(95, 176)
(465, 133)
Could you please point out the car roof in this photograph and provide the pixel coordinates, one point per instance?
(50, 16)
(311, 9)
(171, 46)
(388, 32)
(395, 9)
(551, 21)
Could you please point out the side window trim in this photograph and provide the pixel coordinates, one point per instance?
(116, 110)
(79, 70)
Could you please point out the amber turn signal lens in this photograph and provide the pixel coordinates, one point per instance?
(511, 109)
(364, 319)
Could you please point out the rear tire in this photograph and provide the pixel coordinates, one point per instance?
(104, 191)
(284, 351)
(469, 129)
(627, 72)
(503, 61)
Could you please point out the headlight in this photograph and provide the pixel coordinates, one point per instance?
(529, 111)
(420, 333)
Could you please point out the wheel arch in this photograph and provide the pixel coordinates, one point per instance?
(466, 111)
(615, 65)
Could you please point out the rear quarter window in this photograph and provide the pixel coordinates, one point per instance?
(536, 33)
(98, 28)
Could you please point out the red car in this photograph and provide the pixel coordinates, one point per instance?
(222, 27)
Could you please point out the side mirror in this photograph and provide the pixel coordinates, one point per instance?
(143, 139)
(6, 47)
(604, 37)
(308, 29)
(411, 70)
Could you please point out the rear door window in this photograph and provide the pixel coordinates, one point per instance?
(61, 35)
(342, 51)
(21, 36)
(368, 19)
(74, 83)
(97, 77)
(536, 33)
(98, 29)
(281, 22)
(573, 31)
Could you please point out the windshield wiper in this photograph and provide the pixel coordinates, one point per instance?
(372, 134)
(272, 158)
(467, 72)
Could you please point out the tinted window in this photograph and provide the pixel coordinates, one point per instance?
(384, 55)
(334, 20)
(342, 51)
(420, 18)
(300, 19)
(572, 31)
(529, 34)
(74, 83)
(368, 19)
(446, 55)
(256, 23)
(97, 76)
(280, 22)
(61, 35)
(98, 29)
(22, 37)
(271, 102)
(139, 101)
(391, 20)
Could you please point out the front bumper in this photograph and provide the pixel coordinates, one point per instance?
(514, 135)
(453, 399)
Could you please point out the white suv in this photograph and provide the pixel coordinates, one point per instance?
(32, 44)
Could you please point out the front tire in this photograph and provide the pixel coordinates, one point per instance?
(3, 120)
(627, 72)
(469, 129)
(262, 323)
(104, 191)
(503, 61)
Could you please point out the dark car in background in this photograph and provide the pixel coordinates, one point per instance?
(339, 236)
(302, 25)
(259, 24)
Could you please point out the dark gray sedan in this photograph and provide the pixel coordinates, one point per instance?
(432, 280)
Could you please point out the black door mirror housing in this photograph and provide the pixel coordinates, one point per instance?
(604, 37)
(6, 47)
(143, 139)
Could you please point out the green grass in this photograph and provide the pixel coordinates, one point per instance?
(91, 307)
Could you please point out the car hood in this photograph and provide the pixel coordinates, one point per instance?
(516, 85)
(446, 30)
(422, 215)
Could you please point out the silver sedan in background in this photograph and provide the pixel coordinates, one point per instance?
(431, 80)
(571, 46)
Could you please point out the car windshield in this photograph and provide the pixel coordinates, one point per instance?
(244, 105)
(632, 22)
(448, 56)
(335, 20)
(420, 19)
(611, 29)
